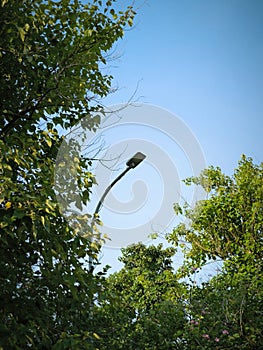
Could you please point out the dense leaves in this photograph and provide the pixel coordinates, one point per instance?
(52, 55)
(51, 65)
(227, 226)
(145, 306)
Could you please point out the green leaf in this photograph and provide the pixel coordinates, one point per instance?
(22, 33)
(19, 213)
(48, 142)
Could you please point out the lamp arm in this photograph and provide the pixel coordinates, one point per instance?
(107, 191)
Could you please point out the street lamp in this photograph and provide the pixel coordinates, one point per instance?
(130, 164)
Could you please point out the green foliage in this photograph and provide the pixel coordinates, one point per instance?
(52, 54)
(228, 311)
(146, 272)
(51, 58)
(146, 308)
(227, 226)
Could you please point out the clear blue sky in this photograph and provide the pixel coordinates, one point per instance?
(201, 60)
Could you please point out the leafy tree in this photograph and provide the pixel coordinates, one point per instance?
(52, 55)
(145, 304)
(224, 313)
(228, 225)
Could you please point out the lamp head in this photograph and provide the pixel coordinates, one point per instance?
(135, 160)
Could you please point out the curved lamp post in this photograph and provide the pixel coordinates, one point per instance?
(130, 164)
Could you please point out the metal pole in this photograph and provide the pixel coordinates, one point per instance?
(108, 190)
(131, 164)
(100, 203)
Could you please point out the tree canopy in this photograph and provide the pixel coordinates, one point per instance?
(52, 56)
(227, 226)
(148, 305)
(144, 308)
(52, 59)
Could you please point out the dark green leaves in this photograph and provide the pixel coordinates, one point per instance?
(51, 59)
(227, 226)
(54, 52)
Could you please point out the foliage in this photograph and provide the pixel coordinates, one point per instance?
(52, 55)
(228, 225)
(145, 306)
(225, 314)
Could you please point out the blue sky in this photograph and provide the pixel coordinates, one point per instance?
(201, 60)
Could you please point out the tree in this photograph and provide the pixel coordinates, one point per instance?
(228, 226)
(144, 308)
(52, 55)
